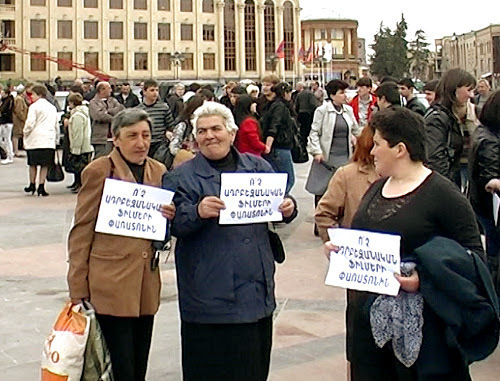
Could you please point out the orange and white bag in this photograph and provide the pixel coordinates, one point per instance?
(64, 349)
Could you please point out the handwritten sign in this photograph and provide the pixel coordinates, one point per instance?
(366, 261)
(132, 210)
(251, 197)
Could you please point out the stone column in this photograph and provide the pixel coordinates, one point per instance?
(240, 39)
(279, 37)
(259, 32)
(220, 39)
(297, 44)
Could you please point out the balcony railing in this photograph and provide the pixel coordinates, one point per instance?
(7, 8)
(9, 41)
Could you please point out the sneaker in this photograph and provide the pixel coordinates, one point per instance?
(7, 161)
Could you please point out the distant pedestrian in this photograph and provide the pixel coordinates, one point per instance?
(19, 115)
(305, 105)
(126, 97)
(6, 124)
(406, 89)
(318, 92)
(365, 102)
(483, 92)
(174, 100)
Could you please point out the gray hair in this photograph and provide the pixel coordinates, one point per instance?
(215, 109)
(179, 86)
(129, 117)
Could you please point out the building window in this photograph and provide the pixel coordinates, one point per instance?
(90, 3)
(288, 34)
(208, 61)
(116, 30)
(64, 29)
(90, 30)
(163, 5)
(91, 59)
(64, 3)
(229, 36)
(38, 29)
(187, 32)
(140, 4)
(140, 31)
(7, 62)
(163, 31)
(38, 62)
(208, 6)
(9, 28)
(188, 63)
(65, 60)
(115, 4)
(208, 32)
(164, 62)
(116, 61)
(269, 35)
(140, 61)
(37, 2)
(250, 40)
(186, 5)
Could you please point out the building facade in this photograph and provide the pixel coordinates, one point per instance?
(138, 39)
(477, 52)
(331, 49)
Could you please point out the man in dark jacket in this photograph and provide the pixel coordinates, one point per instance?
(6, 124)
(225, 273)
(175, 101)
(126, 97)
(305, 105)
(406, 88)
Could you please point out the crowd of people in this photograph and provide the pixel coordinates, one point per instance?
(381, 161)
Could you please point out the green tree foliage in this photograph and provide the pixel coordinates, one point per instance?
(419, 55)
(390, 56)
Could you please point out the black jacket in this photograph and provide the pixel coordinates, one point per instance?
(131, 101)
(444, 142)
(416, 106)
(484, 165)
(277, 122)
(6, 107)
(305, 102)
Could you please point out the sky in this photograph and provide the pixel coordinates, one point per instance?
(437, 18)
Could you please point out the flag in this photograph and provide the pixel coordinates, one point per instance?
(301, 54)
(309, 55)
(280, 52)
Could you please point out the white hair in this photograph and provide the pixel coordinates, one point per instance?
(215, 109)
(251, 88)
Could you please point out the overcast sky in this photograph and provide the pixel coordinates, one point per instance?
(434, 17)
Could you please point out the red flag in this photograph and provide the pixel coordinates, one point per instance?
(309, 56)
(301, 54)
(280, 52)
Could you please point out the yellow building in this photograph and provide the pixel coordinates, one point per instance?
(138, 39)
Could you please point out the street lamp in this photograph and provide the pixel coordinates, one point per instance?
(271, 60)
(177, 58)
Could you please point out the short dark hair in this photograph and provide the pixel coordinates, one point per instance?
(449, 83)
(76, 89)
(401, 125)
(390, 91)
(149, 83)
(40, 90)
(335, 85)
(194, 87)
(238, 90)
(281, 88)
(388, 78)
(364, 81)
(490, 113)
(125, 84)
(407, 82)
(431, 85)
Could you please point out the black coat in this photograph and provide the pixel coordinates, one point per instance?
(416, 106)
(276, 121)
(131, 101)
(444, 142)
(484, 165)
(6, 107)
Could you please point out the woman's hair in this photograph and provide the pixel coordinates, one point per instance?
(448, 85)
(215, 109)
(281, 88)
(209, 95)
(401, 125)
(364, 145)
(129, 117)
(76, 99)
(242, 108)
(40, 90)
(192, 104)
(335, 85)
(252, 88)
(490, 114)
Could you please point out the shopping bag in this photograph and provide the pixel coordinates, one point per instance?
(64, 349)
(97, 365)
(55, 172)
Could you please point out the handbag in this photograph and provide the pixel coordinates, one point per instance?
(276, 246)
(55, 172)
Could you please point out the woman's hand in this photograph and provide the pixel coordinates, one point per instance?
(267, 150)
(409, 283)
(287, 207)
(493, 186)
(329, 247)
(210, 207)
(168, 211)
(319, 158)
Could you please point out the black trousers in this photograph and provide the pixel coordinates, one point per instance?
(226, 352)
(129, 341)
(305, 120)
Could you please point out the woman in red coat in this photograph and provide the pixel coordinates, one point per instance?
(248, 138)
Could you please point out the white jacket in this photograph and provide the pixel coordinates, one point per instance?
(323, 125)
(41, 127)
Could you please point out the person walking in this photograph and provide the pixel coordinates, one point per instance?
(40, 137)
(305, 106)
(6, 124)
(19, 115)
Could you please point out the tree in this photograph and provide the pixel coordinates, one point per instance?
(390, 56)
(419, 55)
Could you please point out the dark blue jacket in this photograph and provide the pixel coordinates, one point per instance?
(225, 273)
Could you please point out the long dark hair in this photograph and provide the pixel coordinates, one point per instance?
(242, 108)
(448, 85)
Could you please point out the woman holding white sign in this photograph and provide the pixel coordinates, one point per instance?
(418, 204)
(118, 274)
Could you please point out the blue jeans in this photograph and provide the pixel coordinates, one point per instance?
(281, 161)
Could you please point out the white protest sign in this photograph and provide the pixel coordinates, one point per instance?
(132, 210)
(251, 197)
(366, 261)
